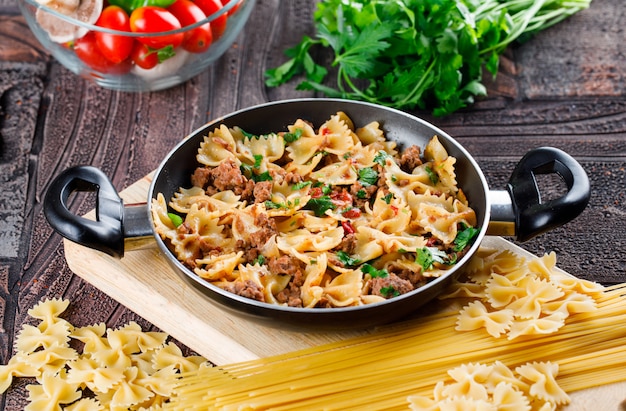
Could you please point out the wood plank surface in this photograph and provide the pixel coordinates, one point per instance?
(565, 88)
(161, 296)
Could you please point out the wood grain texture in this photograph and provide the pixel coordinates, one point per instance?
(565, 88)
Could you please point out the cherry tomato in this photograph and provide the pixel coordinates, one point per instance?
(114, 47)
(88, 51)
(154, 19)
(187, 12)
(143, 56)
(209, 7)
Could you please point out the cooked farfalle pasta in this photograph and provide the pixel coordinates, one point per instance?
(118, 369)
(521, 296)
(531, 386)
(327, 217)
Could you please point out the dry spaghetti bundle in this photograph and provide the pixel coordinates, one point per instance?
(389, 369)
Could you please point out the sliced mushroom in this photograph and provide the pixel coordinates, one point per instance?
(61, 31)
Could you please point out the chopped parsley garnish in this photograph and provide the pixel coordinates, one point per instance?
(260, 260)
(320, 205)
(361, 194)
(387, 198)
(346, 260)
(265, 176)
(368, 176)
(249, 136)
(270, 205)
(326, 188)
(427, 256)
(373, 272)
(300, 185)
(291, 137)
(389, 292)
(434, 178)
(465, 237)
(175, 218)
(249, 170)
(381, 158)
(257, 160)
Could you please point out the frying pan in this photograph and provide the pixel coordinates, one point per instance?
(517, 210)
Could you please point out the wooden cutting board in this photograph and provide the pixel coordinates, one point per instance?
(144, 282)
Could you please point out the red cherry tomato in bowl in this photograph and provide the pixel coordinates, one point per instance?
(114, 47)
(196, 40)
(144, 56)
(210, 7)
(154, 19)
(88, 51)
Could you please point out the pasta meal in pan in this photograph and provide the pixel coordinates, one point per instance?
(330, 217)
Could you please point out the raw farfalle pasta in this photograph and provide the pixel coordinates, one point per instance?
(520, 296)
(494, 387)
(118, 369)
(328, 217)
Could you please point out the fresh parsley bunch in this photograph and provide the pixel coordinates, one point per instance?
(407, 54)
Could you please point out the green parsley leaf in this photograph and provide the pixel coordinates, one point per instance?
(381, 157)
(291, 137)
(408, 54)
(387, 198)
(427, 256)
(361, 194)
(264, 176)
(260, 260)
(320, 205)
(270, 205)
(300, 185)
(373, 272)
(434, 177)
(247, 135)
(465, 237)
(368, 176)
(258, 158)
(175, 218)
(389, 292)
(346, 260)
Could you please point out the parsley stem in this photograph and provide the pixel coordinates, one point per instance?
(419, 84)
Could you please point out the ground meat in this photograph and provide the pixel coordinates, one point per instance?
(411, 158)
(248, 289)
(388, 286)
(267, 228)
(293, 178)
(290, 296)
(227, 176)
(262, 191)
(348, 244)
(247, 194)
(362, 194)
(201, 177)
(415, 278)
(286, 265)
(250, 254)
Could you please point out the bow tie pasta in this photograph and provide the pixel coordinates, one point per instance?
(319, 218)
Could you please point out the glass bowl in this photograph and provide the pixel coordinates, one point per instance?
(115, 43)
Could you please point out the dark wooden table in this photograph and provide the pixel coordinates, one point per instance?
(565, 88)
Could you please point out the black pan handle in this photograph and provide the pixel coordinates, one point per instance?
(534, 217)
(106, 233)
